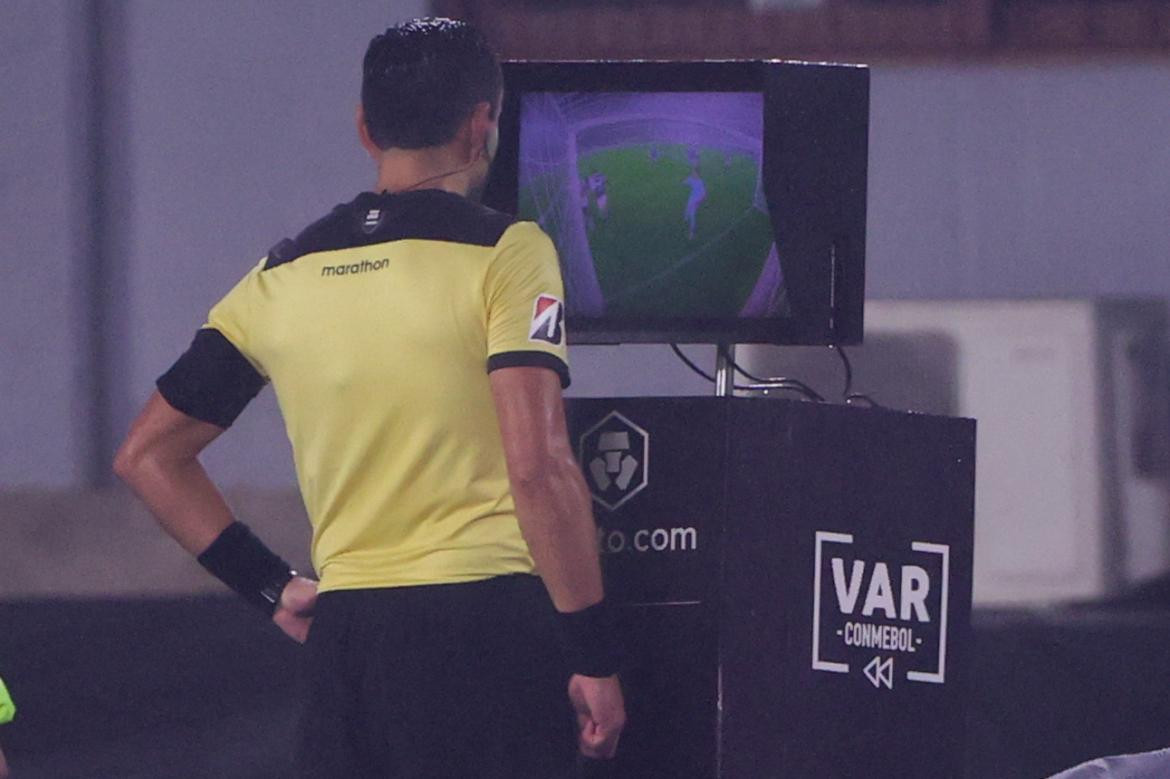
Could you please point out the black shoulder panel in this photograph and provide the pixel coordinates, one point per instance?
(212, 381)
(427, 214)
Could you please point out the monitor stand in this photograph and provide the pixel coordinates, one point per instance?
(724, 370)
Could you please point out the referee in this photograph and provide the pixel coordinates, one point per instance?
(416, 345)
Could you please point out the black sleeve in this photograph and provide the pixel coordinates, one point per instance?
(533, 359)
(212, 381)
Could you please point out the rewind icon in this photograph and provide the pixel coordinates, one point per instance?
(880, 672)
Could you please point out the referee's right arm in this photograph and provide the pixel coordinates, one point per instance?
(556, 519)
(552, 501)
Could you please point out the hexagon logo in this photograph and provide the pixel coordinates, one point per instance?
(615, 456)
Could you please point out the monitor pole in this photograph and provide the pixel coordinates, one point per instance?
(724, 370)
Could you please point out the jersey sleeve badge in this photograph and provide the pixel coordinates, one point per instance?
(548, 320)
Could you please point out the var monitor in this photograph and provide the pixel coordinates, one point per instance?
(701, 202)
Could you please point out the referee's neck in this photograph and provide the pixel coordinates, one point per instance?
(440, 167)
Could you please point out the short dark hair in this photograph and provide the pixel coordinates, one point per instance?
(421, 79)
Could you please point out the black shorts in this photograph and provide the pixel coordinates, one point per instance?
(451, 681)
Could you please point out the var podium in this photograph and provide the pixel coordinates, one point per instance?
(794, 580)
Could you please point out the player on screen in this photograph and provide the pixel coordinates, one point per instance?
(586, 210)
(698, 195)
(597, 183)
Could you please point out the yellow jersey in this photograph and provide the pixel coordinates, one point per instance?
(377, 327)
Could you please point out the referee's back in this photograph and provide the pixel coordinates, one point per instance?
(377, 327)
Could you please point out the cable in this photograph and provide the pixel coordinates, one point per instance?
(849, 395)
(687, 360)
(778, 382)
(848, 370)
(783, 383)
(788, 385)
(727, 356)
(803, 391)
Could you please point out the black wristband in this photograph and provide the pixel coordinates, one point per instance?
(241, 561)
(589, 638)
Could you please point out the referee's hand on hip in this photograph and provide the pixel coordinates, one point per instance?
(601, 714)
(294, 613)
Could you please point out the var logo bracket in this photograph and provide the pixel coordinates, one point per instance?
(886, 617)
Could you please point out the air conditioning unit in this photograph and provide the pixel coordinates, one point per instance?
(1072, 399)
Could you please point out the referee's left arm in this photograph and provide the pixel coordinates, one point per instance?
(199, 397)
(159, 461)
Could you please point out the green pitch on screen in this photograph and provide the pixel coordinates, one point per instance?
(7, 707)
(646, 262)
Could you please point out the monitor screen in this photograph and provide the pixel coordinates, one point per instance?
(655, 202)
(693, 202)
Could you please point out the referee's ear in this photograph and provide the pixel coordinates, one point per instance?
(364, 134)
(481, 125)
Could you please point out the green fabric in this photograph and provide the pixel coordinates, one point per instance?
(7, 707)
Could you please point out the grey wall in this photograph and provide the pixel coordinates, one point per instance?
(1010, 180)
(42, 413)
(241, 131)
(231, 126)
